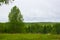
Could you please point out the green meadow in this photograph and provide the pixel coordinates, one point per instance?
(29, 37)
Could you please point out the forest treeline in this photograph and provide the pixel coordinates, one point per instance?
(44, 28)
(16, 25)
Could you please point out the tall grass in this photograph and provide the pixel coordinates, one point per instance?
(29, 37)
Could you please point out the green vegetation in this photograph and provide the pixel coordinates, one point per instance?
(16, 20)
(29, 37)
(5, 1)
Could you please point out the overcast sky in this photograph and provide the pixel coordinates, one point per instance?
(34, 10)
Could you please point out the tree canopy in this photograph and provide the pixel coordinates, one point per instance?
(16, 20)
(15, 15)
(5, 1)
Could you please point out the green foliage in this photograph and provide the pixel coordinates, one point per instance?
(5, 1)
(12, 27)
(15, 15)
(35, 28)
(2, 27)
(16, 20)
(39, 28)
(47, 29)
(57, 28)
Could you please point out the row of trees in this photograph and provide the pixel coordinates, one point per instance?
(31, 28)
(37, 28)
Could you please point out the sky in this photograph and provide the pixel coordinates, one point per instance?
(33, 10)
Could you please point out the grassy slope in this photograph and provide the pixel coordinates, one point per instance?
(29, 37)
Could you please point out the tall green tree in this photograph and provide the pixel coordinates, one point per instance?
(15, 15)
(16, 20)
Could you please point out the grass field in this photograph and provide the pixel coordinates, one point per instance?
(29, 37)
